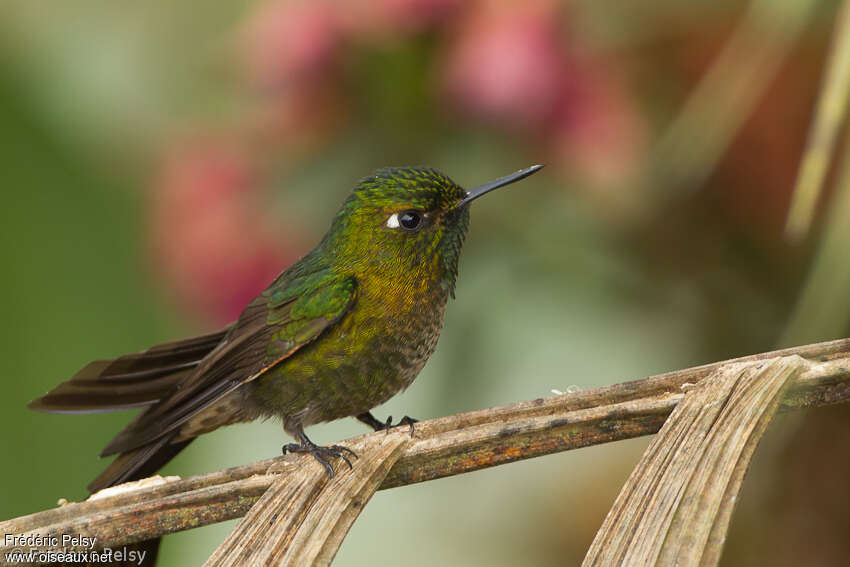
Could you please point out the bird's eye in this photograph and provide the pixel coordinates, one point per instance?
(410, 219)
(407, 220)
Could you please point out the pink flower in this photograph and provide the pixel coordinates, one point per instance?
(211, 241)
(507, 63)
(291, 41)
(597, 131)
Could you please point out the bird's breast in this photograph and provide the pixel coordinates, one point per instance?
(375, 351)
(400, 324)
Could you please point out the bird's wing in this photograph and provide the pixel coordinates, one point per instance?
(288, 315)
(130, 381)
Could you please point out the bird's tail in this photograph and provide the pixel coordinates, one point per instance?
(131, 381)
(134, 465)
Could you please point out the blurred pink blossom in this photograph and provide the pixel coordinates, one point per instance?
(598, 132)
(210, 238)
(507, 63)
(514, 64)
(292, 41)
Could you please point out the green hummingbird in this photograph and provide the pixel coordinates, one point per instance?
(339, 332)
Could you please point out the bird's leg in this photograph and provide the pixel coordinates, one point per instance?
(372, 422)
(407, 420)
(320, 453)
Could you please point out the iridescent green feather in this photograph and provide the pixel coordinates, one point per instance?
(300, 313)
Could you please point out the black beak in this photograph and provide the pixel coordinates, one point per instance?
(476, 192)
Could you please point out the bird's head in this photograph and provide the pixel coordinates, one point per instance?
(407, 220)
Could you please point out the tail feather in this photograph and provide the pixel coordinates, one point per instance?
(134, 465)
(130, 381)
(97, 397)
(138, 463)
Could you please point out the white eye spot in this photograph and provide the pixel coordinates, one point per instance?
(392, 222)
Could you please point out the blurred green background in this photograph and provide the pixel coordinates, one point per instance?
(161, 162)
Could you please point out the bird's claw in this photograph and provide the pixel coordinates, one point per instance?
(406, 420)
(322, 454)
(409, 421)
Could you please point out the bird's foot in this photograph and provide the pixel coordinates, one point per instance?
(370, 420)
(321, 454)
(406, 420)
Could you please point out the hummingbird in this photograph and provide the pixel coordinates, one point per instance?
(339, 332)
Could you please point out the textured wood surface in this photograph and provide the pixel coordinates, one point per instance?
(676, 505)
(303, 517)
(441, 447)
